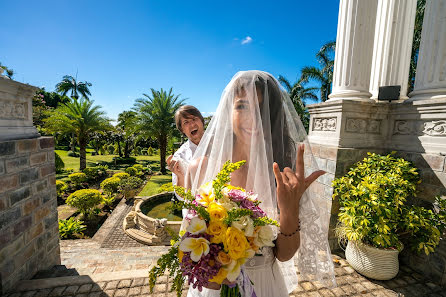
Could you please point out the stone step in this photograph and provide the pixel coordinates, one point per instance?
(80, 280)
(56, 271)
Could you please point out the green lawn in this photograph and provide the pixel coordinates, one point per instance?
(154, 183)
(154, 161)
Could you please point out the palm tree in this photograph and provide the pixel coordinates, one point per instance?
(81, 118)
(9, 71)
(156, 113)
(298, 94)
(70, 83)
(324, 74)
(421, 4)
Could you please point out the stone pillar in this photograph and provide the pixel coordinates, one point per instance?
(354, 49)
(430, 80)
(29, 233)
(395, 22)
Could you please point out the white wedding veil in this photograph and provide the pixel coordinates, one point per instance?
(256, 121)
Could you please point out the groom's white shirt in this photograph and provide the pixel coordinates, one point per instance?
(185, 152)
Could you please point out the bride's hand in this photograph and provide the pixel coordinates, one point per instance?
(215, 286)
(291, 185)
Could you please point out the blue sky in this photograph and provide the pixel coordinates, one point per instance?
(124, 48)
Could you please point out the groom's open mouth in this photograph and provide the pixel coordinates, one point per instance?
(194, 132)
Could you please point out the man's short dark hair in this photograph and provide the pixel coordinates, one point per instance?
(186, 112)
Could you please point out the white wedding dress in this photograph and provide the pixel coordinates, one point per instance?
(257, 122)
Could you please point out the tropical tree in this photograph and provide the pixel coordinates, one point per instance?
(80, 117)
(9, 71)
(324, 74)
(70, 84)
(127, 122)
(156, 116)
(298, 94)
(421, 4)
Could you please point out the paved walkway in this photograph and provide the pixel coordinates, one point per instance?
(112, 264)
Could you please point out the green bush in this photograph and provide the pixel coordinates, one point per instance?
(95, 173)
(132, 171)
(129, 186)
(121, 175)
(78, 178)
(137, 150)
(72, 154)
(374, 209)
(68, 228)
(110, 185)
(144, 152)
(122, 160)
(150, 151)
(85, 201)
(108, 200)
(139, 167)
(60, 187)
(102, 149)
(60, 165)
(166, 188)
(110, 149)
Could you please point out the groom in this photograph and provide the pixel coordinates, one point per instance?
(190, 122)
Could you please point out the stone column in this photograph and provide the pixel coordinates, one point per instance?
(395, 22)
(354, 49)
(430, 80)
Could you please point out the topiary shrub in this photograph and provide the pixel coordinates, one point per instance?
(60, 187)
(132, 171)
(78, 178)
(110, 185)
(144, 152)
(110, 149)
(72, 154)
(138, 166)
(60, 165)
(374, 209)
(129, 186)
(166, 188)
(102, 149)
(68, 228)
(86, 201)
(122, 160)
(150, 151)
(121, 175)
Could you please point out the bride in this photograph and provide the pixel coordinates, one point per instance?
(256, 121)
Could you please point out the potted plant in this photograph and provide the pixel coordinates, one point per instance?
(376, 218)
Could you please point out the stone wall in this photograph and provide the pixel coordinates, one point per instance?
(28, 209)
(342, 132)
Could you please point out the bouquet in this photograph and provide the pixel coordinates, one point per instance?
(226, 228)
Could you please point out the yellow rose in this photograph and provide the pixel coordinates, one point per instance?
(235, 243)
(220, 277)
(216, 211)
(223, 258)
(217, 229)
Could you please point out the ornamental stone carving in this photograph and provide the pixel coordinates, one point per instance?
(435, 128)
(426, 128)
(360, 125)
(11, 110)
(324, 124)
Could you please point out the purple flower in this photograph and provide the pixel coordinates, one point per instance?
(200, 272)
(237, 195)
(257, 211)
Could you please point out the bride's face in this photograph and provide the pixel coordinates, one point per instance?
(244, 113)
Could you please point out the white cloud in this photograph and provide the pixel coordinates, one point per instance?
(207, 113)
(246, 40)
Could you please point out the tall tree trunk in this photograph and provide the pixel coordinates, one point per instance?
(119, 149)
(83, 154)
(163, 146)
